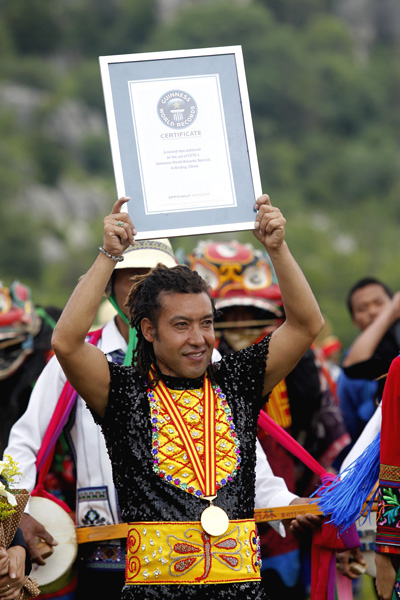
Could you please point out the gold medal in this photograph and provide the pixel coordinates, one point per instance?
(214, 519)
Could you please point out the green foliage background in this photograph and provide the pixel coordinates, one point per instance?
(325, 109)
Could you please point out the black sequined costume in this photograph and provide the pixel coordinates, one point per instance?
(144, 496)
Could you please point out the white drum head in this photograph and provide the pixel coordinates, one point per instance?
(61, 526)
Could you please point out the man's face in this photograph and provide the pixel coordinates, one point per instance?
(367, 303)
(183, 339)
(122, 285)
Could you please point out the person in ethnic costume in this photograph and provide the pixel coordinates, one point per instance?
(387, 546)
(25, 348)
(180, 433)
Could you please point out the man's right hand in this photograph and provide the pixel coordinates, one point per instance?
(33, 531)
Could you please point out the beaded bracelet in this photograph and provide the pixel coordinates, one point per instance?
(114, 258)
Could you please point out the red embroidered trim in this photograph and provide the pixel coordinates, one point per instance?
(389, 473)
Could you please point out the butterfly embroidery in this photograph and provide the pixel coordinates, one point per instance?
(186, 554)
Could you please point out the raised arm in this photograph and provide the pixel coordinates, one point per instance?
(303, 319)
(85, 365)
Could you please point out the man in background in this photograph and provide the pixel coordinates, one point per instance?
(375, 311)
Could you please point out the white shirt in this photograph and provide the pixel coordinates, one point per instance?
(367, 436)
(271, 491)
(95, 488)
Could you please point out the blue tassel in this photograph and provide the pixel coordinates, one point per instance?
(344, 498)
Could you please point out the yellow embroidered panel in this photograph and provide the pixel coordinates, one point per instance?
(170, 460)
(182, 553)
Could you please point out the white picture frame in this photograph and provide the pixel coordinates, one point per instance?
(182, 140)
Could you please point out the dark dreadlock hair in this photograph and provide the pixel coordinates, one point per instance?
(144, 301)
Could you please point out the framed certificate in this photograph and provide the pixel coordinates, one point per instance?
(182, 140)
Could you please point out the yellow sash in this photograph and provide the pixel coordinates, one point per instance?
(206, 474)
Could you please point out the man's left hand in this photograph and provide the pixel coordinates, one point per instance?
(304, 523)
(269, 227)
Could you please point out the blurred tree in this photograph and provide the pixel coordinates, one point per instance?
(297, 12)
(326, 124)
(12, 156)
(19, 250)
(85, 82)
(29, 71)
(32, 27)
(50, 157)
(135, 24)
(363, 167)
(217, 23)
(326, 34)
(348, 99)
(102, 27)
(6, 42)
(282, 83)
(96, 156)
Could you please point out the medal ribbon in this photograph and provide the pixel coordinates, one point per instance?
(206, 474)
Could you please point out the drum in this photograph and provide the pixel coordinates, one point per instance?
(58, 571)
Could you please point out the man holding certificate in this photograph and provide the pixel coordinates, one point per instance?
(181, 431)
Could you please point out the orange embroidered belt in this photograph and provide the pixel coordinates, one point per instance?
(182, 553)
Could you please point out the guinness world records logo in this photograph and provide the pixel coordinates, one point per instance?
(177, 109)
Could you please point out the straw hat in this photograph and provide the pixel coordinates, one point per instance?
(146, 254)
